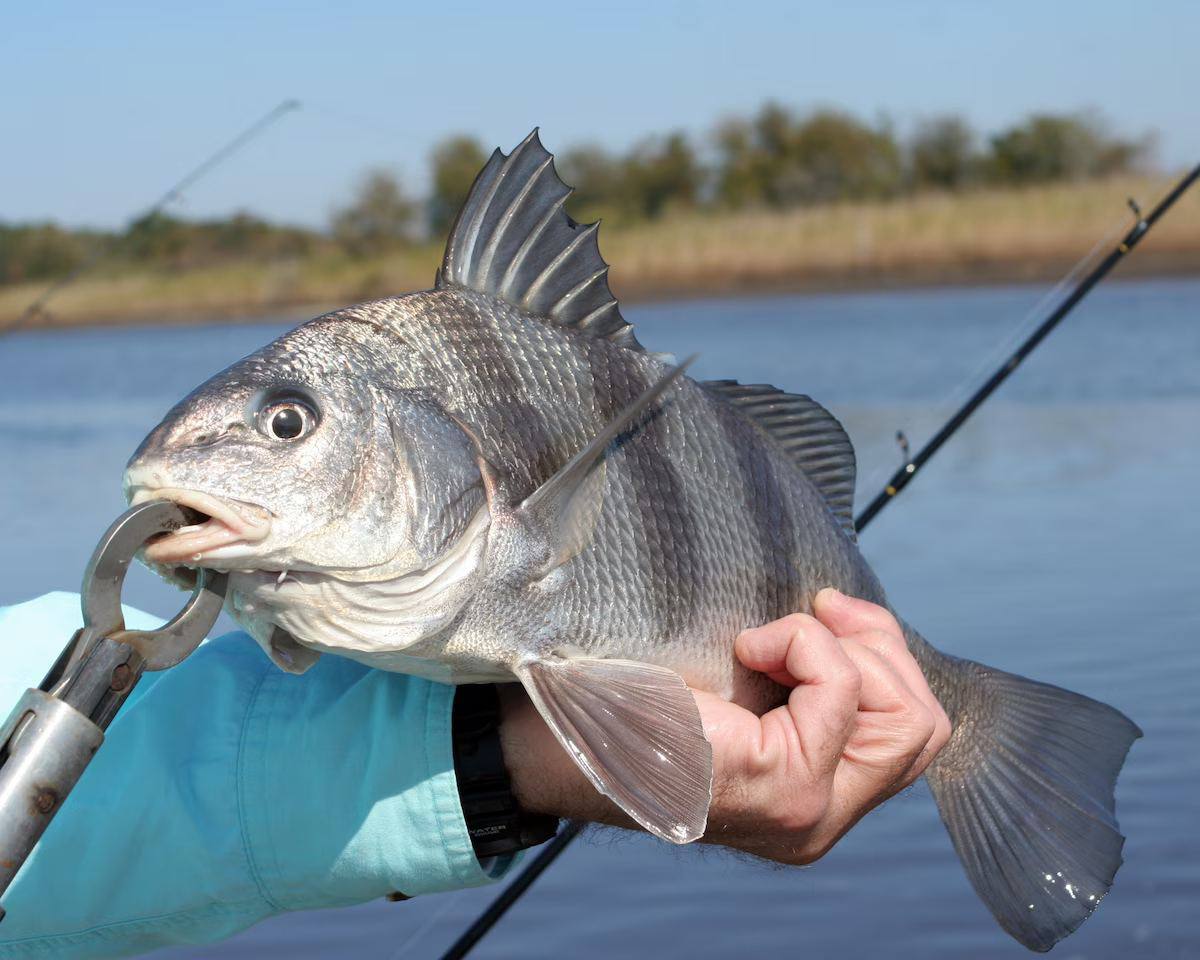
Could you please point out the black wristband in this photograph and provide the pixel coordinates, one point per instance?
(495, 821)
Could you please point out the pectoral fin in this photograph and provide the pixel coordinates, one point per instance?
(289, 655)
(635, 730)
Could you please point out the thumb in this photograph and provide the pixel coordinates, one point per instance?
(846, 616)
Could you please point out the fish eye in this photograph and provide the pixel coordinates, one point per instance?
(288, 419)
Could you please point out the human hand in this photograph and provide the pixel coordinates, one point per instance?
(860, 725)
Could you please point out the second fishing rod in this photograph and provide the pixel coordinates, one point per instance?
(554, 848)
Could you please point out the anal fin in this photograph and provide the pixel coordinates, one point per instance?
(635, 731)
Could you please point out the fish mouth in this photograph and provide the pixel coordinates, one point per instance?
(224, 524)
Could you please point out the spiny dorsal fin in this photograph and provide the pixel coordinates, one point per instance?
(810, 435)
(513, 240)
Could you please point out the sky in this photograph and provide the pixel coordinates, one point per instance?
(105, 105)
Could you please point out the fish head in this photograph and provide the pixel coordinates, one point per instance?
(315, 454)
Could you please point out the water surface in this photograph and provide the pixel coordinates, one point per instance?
(1056, 536)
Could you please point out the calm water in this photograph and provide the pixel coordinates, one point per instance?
(1056, 536)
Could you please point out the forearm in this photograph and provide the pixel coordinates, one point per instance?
(544, 777)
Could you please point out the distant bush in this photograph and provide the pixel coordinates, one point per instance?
(658, 174)
(1046, 147)
(662, 173)
(245, 235)
(597, 177)
(41, 250)
(778, 159)
(163, 240)
(46, 251)
(156, 237)
(455, 164)
(943, 154)
(378, 219)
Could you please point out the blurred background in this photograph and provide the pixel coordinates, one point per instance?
(868, 202)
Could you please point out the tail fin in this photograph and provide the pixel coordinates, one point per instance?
(1025, 787)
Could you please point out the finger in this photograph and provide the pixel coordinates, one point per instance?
(894, 652)
(896, 726)
(876, 759)
(823, 705)
(876, 627)
(883, 690)
(846, 615)
(765, 648)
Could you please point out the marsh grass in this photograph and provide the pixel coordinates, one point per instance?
(986, 235)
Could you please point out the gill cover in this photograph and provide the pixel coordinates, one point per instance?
(416, 518)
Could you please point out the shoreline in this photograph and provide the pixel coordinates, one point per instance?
(1033, 235)
(1138, 267)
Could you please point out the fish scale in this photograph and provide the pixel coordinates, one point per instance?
(495, 482)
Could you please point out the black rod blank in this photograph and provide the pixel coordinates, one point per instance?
(512, 893)
(901, 478)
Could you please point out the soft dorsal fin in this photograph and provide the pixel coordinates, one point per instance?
(513, 240)
(810, 435)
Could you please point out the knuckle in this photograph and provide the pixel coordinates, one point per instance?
(896, 647)
(879, 618)
(942, 728)
(886, 622)
(890, 645)
(919, 726)
(764, 762)
(789, 628)
(796, 622)
(846, 678)
(797, 628)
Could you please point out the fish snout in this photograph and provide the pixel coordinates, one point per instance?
(226, 528)
(175, 435)
(142, 474)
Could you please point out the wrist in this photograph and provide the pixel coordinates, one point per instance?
(544, 777)
(497, 822)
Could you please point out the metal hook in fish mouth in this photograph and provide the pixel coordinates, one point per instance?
(105, 575)
(223, 522)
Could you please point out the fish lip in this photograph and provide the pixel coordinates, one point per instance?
(227, 523)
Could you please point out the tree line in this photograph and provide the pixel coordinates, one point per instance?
(776, 158)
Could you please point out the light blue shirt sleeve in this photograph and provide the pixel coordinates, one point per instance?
(227, 791)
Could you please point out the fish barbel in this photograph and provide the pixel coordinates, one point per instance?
(493, 481)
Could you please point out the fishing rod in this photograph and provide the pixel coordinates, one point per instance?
(899, 480)
(175, 192)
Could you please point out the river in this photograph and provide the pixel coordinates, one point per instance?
(1055, 536)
